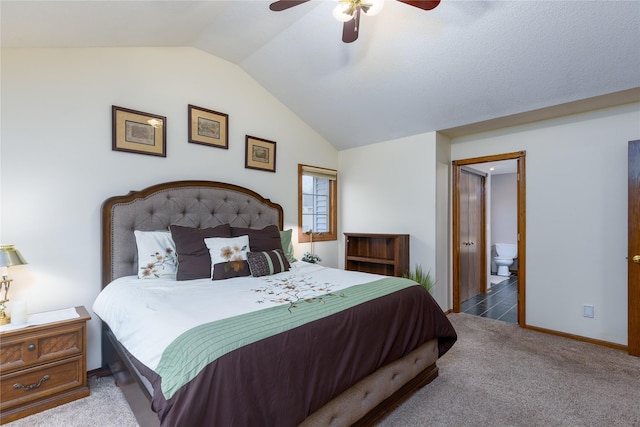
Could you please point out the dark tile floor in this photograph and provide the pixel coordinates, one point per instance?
(500, 302)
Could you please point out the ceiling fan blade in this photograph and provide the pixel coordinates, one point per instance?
(351, 28)
(425, 5)
(280, 5)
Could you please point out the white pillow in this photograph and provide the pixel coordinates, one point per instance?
(228, 256)
(156, 255)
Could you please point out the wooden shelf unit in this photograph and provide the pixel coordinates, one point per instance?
(386, 254)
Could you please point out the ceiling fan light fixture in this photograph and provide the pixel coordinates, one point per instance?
(346, 9)
(340, 12)
(348, 12)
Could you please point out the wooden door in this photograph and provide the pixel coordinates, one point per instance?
(471, 242)
(634, 248)
(458, 166)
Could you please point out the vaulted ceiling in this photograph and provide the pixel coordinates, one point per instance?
(451, 69)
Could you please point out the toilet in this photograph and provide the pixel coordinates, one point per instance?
(507, 252)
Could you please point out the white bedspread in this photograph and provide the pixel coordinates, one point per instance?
(146, 315)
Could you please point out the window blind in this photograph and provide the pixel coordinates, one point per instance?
(330, 174)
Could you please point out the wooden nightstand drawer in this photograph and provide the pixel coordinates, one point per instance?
(43, 365)
(34, 383)
(22, 351)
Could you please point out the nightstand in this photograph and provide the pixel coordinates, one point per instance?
(43, 364)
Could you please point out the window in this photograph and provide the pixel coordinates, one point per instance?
(317, 203)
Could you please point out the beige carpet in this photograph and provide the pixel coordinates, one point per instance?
(497, 374)
(105, 407)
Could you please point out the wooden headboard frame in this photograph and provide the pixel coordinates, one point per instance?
(188, 203)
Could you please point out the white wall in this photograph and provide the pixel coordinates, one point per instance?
(390, 187)
(576, 196)
(57, 166)
(443, 290)
(576, 176)
(502, 213)
(504, 208)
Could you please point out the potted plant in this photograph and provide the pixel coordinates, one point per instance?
(418, 275)
(310, 256)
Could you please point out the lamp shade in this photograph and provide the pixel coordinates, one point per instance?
(10, 256)
(373, 7)
(341, 12)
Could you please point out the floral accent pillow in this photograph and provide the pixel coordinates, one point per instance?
(156, 255)
(228, 256)
(267, 263)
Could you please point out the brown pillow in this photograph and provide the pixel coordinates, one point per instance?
(267, 263)
(266, 239)
(194, 261)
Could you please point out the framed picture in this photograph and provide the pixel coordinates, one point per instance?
(260, 154)
(208, 127)
(138, 132)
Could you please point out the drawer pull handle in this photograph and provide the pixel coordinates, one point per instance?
(17, 386)
(31, 347)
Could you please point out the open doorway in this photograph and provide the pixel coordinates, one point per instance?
(473, 241)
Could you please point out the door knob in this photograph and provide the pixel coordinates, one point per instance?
(636, 259)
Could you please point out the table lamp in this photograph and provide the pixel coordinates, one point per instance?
(9, 256)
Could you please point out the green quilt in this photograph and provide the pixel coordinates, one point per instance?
(188, 354)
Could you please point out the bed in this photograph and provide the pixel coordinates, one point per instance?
(263, 339)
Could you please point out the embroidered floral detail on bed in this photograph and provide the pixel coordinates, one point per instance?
(294, 290)
(192, 351)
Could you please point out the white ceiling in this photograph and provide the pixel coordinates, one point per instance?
(411, 71)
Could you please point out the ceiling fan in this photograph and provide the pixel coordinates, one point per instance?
(348, 11)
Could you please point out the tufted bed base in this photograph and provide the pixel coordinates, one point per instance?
(208, 204)
(381, 392)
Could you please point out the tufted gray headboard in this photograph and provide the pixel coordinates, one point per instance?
(189, 203)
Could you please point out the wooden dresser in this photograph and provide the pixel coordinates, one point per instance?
(386, 254)
(43, 366)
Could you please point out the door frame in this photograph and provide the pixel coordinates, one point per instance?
(521, 191)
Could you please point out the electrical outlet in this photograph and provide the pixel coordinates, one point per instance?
(587, 310)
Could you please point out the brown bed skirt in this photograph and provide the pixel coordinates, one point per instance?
(361, 405)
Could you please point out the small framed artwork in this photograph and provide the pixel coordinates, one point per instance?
(260, 154)
(208, 127)
(137, 132)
